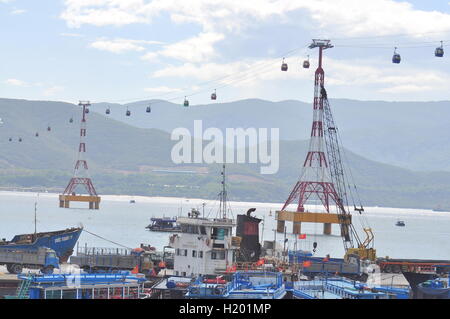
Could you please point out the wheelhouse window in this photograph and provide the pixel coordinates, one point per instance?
(218, 255)
(219, 233)
(190, 229)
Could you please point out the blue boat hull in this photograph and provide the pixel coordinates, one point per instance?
(62, 242)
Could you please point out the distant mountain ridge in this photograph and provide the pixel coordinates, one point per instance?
(125, 159)
(396, 133)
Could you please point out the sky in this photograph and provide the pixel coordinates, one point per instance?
(122, 51)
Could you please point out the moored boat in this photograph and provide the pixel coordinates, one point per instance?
(400, 223)
(61, 241)
(163, 224)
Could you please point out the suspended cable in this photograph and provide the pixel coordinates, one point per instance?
(113, 242)
(217, 80)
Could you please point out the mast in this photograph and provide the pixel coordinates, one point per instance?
(35, 216)
(223, 196)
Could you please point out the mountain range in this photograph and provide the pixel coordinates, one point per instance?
(131, 155)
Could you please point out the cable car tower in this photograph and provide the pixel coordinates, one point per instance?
(80, 175)
(322, 179)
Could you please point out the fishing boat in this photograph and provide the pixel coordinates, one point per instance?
(61, 241)
(336, 288)
(123, 285)
(256, 285)
(163, 224)
(400, 223)
(436, 288)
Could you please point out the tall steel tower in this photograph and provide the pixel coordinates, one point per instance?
(315, 182)
(80, 174)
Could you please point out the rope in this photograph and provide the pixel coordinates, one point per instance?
(87, 231)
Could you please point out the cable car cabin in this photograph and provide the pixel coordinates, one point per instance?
(128, 113)
(149, 109)
(439, 52)
(10, 139)
(396, 58)
(306, 63)
(37, 134)
(87, 111)
(108, 111)
(71, 120)
(20, 139)
(186, 103)
(49, 128)
(213, 96)
(284, 66)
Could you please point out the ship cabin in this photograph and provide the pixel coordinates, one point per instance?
(204, 246)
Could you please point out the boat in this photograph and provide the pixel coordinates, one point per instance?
(61, 241)
(123, 285)
(256, 285)
(400, 223)
(163, 224)
(204, 246)
(338, 288)
(436, 288)
(244, 285)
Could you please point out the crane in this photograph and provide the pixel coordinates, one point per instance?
(353, 245)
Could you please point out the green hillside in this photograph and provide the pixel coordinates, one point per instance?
(397, 133)
(125, 159)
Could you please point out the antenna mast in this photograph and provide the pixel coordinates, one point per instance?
(223, 196)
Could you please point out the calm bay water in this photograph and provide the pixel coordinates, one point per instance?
(426, 235)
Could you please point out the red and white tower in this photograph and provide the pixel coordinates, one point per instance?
(315, 182)
(80, 174)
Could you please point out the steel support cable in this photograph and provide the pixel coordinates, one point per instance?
(98, 236)
(388, 47)
(352, 179)
(244, 77)
(394, 35)
(259, 64)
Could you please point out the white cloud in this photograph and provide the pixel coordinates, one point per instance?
(360, 73)
(16, 82)
(407, 88)
(121, 45)
(338, 17)
(162, 89)
(51, 91)
(72, 35)
(18, 11)
(196, 49)
(237, 74)
(338, 73)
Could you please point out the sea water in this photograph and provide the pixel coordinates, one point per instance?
(120, 223)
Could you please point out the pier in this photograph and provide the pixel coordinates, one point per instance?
(94, 201)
